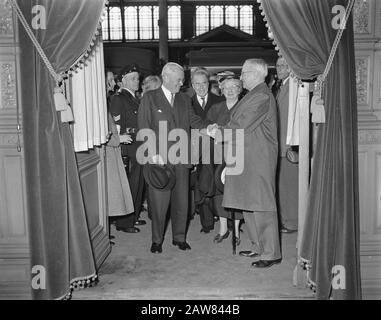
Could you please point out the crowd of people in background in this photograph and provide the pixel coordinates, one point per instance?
(263, 194)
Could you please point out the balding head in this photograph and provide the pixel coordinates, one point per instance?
(282, 68)
(259, 65)
(173, 76)
(254, 72)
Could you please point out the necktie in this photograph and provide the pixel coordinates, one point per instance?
(203, 103)
(172, 99)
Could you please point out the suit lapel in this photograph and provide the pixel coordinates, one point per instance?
(258, 89)
(130, 97)
(163, 102)
(197, 105)
(209, 103)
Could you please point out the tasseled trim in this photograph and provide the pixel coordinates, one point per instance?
(306, 265)
(272, 35)
(80, 63)
(80, 283)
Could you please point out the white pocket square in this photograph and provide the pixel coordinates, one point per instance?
(159, 110)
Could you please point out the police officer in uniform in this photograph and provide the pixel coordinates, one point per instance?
(124, 109)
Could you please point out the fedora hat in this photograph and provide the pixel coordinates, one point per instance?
(161, 177)
(219, 177)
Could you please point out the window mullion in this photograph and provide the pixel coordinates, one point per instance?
(253, 29)
(209, 17)
(138, 20)
(152, 23)
(108, 23)
(122, 13)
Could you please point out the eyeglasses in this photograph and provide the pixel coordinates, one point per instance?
(243, 72)
(202, 84)
(234, 87)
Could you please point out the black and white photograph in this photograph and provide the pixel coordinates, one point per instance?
(189, 156)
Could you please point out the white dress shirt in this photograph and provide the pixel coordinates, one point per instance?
(199, 99)
(167, 93)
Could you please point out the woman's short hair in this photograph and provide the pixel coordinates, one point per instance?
(234, 81)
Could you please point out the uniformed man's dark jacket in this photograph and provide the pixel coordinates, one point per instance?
(124, 108)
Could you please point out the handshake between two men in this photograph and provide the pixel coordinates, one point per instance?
(211, 131)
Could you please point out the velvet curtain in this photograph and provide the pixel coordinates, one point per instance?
(59, 235)
(303, 32)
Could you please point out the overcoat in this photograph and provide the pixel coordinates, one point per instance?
(118, 188)
(254, 188)
(124, 109)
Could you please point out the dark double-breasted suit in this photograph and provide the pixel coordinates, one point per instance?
(154, 108)
(204, 193)
(124, 109)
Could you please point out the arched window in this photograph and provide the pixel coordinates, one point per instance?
(145, 23)
(216, 16)
(202, 19)
(246, 19)
(231, 16)
(131, 23)
(115, 17)
(174, 22)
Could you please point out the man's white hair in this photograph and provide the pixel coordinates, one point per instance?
(171, 67)
(258, 65)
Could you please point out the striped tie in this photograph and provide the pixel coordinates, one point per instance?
(172, 99)
(203, 103)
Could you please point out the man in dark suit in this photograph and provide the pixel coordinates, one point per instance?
(202, 100)
(287, 175)
(124, 108)
(170, 109)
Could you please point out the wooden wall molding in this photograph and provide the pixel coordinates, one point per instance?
(369, 137)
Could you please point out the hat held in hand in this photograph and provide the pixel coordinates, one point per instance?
(160, 177)
(219, 177)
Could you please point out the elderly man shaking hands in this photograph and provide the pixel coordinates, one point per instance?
(162, 111)
(253, 190)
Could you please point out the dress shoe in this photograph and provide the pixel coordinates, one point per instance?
(140, 223)
(265, 263)
(248, 254)
(286, 230)
(181, 245)
(216, 218)
(128, 230)
(219, 238)
(156, 247)
(206, 230)
(111, 237)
